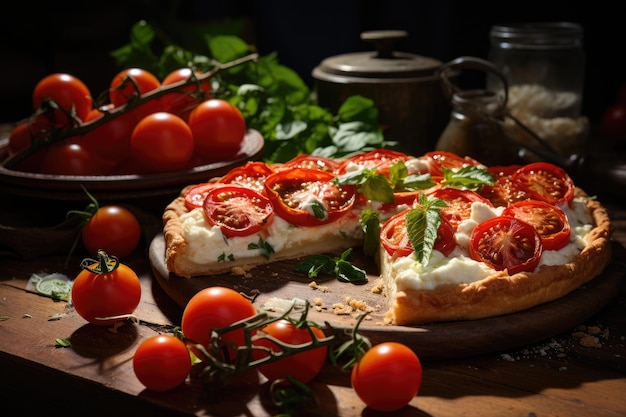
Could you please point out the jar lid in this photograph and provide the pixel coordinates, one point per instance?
(382, 64)
(547, 35)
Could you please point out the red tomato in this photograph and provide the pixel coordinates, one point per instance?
(212, 308)
(545, 181)
(131, 83)
(196, 194)
(162, 362)
(312, 162)
(307, 197)
(162, 142)
(549, 220)
(506, 243)
(251, 175)
(26, 132)
(105, 289)
(111, 140)
(237, 210)
(114, 229)
(218, 129)
(504, 191)
(68, 92)
(183, 101)
(442, 159)
(395, 239)
(66, 158)
(613, 123)
(379, 159)
(303, 366)
(459, 203)
(387, 377)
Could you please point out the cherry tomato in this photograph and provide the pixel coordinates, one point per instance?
(212, 308)
(111, 140)
(458, 203)
(66, 158)
(549, 220)
(68, 92)
(307, 197)
(251, 175)
(312, 162)
(303, 366)
(387, 377)
(218, 129)
(162, 142)
(105, 288)
(395, 239)
(131, 83)
(506, 243)
(114, 229)
(380, 160)
(182, 102)
(442, 159)
(613, 123)
(545, 181)
(237, 210)
(162, 362)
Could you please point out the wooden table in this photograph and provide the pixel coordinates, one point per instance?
(578, 373)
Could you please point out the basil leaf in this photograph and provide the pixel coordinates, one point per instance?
(469, 177)
(370, 223)
(315, 265)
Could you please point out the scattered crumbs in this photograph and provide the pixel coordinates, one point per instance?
(352, 306)
(379, 287)
(315, 286)
(590, 336)
(27, 316)
(240, 271)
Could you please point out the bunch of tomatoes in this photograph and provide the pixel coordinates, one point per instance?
(145, 125)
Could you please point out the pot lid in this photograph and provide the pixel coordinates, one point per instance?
(384, 62)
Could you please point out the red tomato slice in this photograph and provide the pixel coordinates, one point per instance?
(237, 210)
(459, 203)
(251, 175)
(307, 197)
(379, 159)
(549, 220)
(546, 182)
(442, 159)
(195, 195)
(506, 243)
(312, 162)
(395, 239)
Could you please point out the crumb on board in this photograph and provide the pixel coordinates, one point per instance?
(315, 286)
(241, 271)
(352, 306)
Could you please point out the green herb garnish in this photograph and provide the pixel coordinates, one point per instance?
(340, 267)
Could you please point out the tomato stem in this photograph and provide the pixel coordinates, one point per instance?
(105, 264)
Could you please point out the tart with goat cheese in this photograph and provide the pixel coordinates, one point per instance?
(453, 239)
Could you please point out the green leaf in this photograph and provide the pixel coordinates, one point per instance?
(422, 224)
(339, 266)
(315, 265)
(226, 48)
(468, 177)
(370, 223)
(377, 188)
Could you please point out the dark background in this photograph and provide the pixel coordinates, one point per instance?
(76, 37)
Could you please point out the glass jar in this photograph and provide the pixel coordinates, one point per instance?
(544, 65)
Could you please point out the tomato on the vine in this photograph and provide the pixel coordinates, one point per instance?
(162, 142)
(387, 377)
(182, 102)
(67, 158)
(131, 83)
(105, 289)
(506, 243)
(550, 221)
(545, 181)
(237, 210)
(307, 197)
(110, 140)
(212, 308)
(68, 92)
(303, 366)
(162, 362)
(395, 238)
(218, 129)
(112, 228)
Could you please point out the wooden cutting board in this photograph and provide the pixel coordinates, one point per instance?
(431, 341)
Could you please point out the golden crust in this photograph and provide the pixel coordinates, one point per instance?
(500, 293)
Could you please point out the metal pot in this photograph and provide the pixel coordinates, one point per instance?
(406, 89)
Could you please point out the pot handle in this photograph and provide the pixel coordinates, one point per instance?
(384, 41)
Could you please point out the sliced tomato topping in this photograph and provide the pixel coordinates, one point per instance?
(550, 221)
(395, 238)
(237, 210)
(546, 182)
(443, 159)
(195, 195)
(459, 203)
(380, 160)
(312, 162)
(506, 243)
(251, 175)
(307, 197)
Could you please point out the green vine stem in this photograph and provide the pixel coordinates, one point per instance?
(105, 264)
(57, 135)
